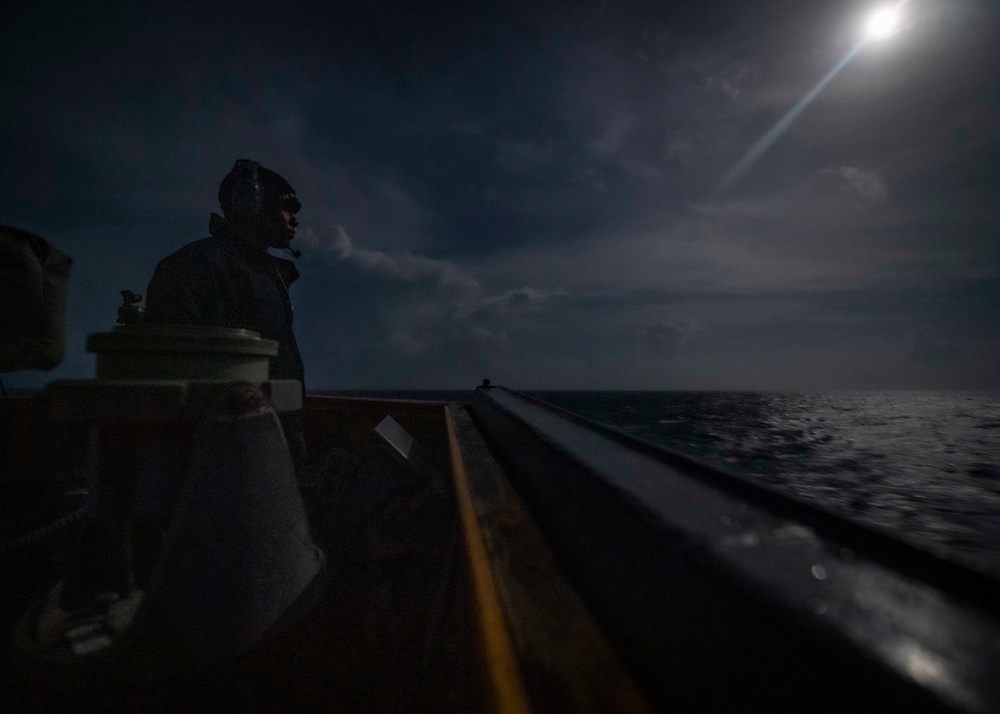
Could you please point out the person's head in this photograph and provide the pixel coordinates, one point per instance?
(260, 203)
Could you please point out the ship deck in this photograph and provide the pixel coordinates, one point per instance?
(545, 563)
(409, 618)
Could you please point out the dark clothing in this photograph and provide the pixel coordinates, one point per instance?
(224, 282)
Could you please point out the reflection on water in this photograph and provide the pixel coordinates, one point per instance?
(923, 465)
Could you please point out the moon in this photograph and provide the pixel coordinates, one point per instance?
(882, 23)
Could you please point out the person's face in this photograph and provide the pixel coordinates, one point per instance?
(280, 230)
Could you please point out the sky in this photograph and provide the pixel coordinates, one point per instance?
(535, 192)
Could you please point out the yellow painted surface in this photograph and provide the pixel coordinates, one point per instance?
(508, 687)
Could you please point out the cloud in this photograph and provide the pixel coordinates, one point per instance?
(523, 157)
(836, 227)
(412, 319)
(665, 338)
(402, 265)
(866, 184)
(403, 343)
(734, 210)
(519, 299)
(925, 347)
(489, 338)
(724, 85)
(469, 128)
(681, 150)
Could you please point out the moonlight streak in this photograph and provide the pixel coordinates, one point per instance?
(880, 24)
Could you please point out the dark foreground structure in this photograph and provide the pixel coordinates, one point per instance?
(514, 557)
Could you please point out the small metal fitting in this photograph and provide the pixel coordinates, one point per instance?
(243, 398)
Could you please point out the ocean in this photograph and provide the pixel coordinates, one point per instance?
(923, 466)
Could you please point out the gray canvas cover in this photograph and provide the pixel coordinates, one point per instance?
(33, 279)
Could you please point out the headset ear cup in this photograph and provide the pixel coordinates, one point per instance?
(247, 193)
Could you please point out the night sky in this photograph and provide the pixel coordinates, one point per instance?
(532, 193)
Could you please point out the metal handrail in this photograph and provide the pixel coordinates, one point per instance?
(724, 594)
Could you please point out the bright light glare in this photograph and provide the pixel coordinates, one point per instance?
(882, 23)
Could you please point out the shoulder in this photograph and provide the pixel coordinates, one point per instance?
(205, 256)
(204, 250)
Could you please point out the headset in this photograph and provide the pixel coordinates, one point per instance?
(246, 196)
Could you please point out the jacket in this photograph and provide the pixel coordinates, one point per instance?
(224, 282)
